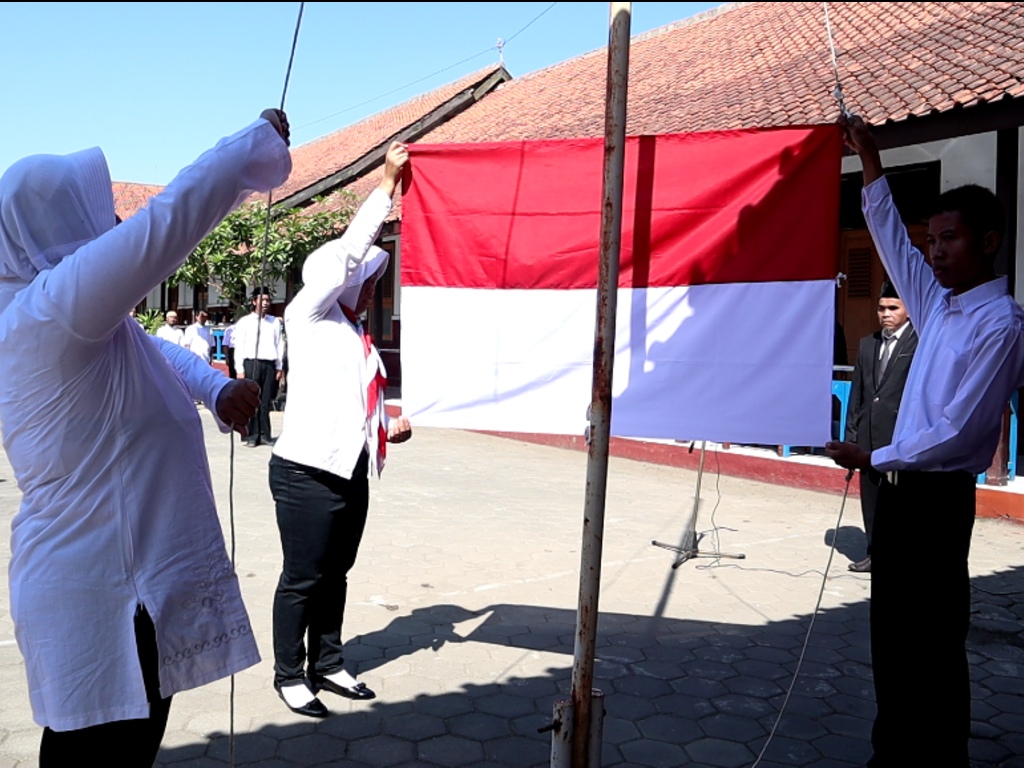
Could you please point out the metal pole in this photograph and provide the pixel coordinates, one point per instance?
(601, 404)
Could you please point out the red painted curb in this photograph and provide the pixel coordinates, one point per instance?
(992, 503)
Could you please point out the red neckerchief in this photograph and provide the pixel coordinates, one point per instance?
(374, 391)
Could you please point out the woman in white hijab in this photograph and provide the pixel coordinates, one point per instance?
(334, 434)
(122, 593)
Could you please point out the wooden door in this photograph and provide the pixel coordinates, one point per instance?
(857, 302)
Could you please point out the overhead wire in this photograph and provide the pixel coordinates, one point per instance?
(497, 47)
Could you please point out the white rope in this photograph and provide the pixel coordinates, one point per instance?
(810, 627)
(231, 469)
(838, 92)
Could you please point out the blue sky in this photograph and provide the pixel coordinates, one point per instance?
(155, 84)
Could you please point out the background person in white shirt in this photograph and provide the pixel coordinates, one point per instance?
(969, 360)
(334, 435)
(264, 365)
(122, 592)
(170, 330)
(199, 337)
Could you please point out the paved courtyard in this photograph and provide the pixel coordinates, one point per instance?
(462, 611)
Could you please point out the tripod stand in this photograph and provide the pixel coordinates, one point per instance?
(690, 546)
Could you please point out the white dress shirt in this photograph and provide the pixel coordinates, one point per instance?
(325, 423)
(271, 341)
(102, 432)
(969, 360)
(199, 338)
(171, 333)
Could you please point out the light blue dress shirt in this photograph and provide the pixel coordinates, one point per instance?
(969, 360)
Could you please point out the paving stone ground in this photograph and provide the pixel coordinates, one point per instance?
(462, 611)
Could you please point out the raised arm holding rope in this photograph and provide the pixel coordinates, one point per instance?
(334, 435)
(969, 360)
(122, 593)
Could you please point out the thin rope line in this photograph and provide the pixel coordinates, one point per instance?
(810, 627)
(838, 92)
(231, 472)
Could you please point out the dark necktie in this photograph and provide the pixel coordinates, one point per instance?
(887, 345)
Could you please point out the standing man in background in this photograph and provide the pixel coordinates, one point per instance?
(263, 364)
(199, 337)
(170, 330)
(879, 376)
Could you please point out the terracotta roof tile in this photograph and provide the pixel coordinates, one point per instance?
(769, 64)
(129, 198)
(741, 65)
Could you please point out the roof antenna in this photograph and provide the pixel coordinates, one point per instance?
(500, 45)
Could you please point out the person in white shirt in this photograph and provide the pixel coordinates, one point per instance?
(170, 330)
(259, 355)
(122, 592)
(199, 337)
(334, 435)
(969, 361)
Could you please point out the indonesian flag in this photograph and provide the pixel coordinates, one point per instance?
(725, 302)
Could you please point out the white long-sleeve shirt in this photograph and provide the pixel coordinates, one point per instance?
(271, 341)
(103, 435)
(969, 360)
(199, 339)
(171, 333)
(325, 423)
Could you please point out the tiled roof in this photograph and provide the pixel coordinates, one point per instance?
(769, 64)
(327, 155)
(320, 158)
(129, 198)
(740, 65)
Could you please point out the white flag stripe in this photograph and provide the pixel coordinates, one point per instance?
(738, 362)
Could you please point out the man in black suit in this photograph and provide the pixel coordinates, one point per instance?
(879, 375)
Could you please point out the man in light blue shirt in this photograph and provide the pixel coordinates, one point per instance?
(969, 361)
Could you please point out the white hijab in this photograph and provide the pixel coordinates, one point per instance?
(372, 266)
(50, 206)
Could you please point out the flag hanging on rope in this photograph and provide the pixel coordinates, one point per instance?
(725, 302)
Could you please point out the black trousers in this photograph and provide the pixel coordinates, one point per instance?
(264, 373)
(321, 518)
(134, 742)
(920, 615)
(870, 483)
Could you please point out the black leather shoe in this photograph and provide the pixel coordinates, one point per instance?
(359, 691)
(862, 566)
(315, 708)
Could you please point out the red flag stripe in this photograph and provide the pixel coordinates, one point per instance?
(721, 207)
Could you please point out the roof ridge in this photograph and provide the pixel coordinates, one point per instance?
(377, 116)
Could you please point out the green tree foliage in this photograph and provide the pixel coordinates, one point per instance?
(150, 320)
(231, 258)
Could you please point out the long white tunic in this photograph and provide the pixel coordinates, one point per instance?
(103, 435)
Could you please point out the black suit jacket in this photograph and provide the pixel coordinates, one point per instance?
(871, 415)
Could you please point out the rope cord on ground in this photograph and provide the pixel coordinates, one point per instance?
(810, 626)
